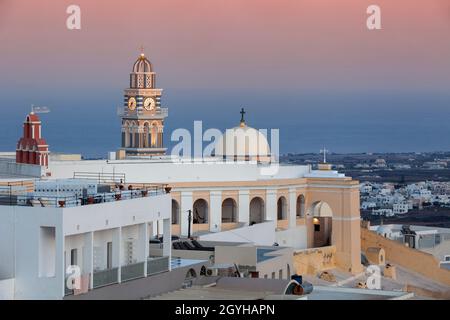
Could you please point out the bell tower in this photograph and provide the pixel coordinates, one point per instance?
(142, 115)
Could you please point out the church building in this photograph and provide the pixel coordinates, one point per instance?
(232, 195)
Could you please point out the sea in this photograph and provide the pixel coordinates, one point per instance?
(307, 122)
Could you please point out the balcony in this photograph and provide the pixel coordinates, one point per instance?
(106, 277)
(157, 265)
(133, 271)
(74, 200)
(158, 113)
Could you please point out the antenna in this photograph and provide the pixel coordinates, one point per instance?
(39, 109)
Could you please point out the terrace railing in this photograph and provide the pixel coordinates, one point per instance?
(105, 277)
(42, 200)
(132, 271)
(157, 265)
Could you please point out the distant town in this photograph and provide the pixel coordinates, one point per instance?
(401, 188)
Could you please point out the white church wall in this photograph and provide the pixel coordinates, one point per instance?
(165, 171)
(186, 204)
(244, 206)
(271, 204)
(258, 234)
(215, 209)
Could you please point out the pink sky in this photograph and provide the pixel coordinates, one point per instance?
(283, 45)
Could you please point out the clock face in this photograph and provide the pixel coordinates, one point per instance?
(149, 103)
(132, 103)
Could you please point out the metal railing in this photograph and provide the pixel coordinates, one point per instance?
(157, 265)
(105, 277)
(100, 177)
(158, 112)
(40, 200)
(133, 271)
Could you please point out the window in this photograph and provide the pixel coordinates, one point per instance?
(109, 255)
(317, 227)
(74, 257)
(273, 275)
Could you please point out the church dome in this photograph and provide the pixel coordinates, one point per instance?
(243, 143)
(142, 64)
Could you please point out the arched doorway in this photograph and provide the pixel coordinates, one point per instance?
(282, 208)
(146, 135)
(200, 212)
(300, 210)
(203, 271)
(175, 212)
(229, 211)
(154, 135)
(189, 279)
(322, 223)
(257, 210)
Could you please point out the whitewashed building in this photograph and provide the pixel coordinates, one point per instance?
(48, 249)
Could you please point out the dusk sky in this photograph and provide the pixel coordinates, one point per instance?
(308, 67)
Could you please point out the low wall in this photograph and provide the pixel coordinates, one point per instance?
(415, 260)
(314, 260)
(8, 167)
(141, 288)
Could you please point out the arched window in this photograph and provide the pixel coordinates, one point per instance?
(257, 214)
(175, 212)
(146, 135)
(229, 210)
(200, 212)
(282, 208)
(300, 210)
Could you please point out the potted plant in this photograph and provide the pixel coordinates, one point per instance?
(168, 189)
(118, 196)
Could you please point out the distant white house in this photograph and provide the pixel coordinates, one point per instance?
(368, 205)
(400, 208)
(383, 212)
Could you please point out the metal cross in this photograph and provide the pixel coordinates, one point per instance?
(242, 115)
(324, 152)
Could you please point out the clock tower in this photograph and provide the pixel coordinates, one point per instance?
(142, 115)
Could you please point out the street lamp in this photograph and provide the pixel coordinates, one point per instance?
(189, 223)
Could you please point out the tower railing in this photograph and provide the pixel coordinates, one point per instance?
(157, 113)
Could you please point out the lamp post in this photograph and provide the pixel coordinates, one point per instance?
(189, 223)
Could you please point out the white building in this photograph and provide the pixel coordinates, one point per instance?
(107, 241)
(365, 205)
(400, 208)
